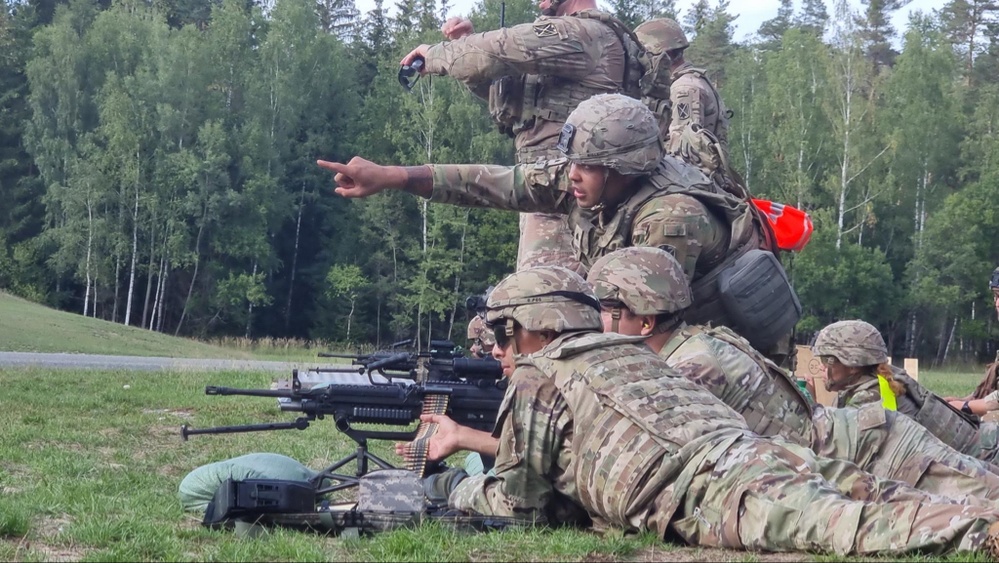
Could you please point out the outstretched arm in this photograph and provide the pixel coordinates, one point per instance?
(558, 47)
(978, 406)
(514, 188)
(361, 178)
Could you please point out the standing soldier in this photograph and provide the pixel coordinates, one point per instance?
(620, 190)
(533, 75)
(654, 451)
(693, 99)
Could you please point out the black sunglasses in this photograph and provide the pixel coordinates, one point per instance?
(499, 333)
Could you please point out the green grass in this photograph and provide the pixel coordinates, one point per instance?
(90, 463)
(30, 327)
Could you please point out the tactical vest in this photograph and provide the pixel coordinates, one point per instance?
(637, 423)
(592, 240)
(516, 102)
(771, 404)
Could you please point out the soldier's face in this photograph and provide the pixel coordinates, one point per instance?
(480, 350)
(838, 376)
(526, 342)
(593, 184)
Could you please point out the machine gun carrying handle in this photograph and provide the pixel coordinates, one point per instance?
(394, 359)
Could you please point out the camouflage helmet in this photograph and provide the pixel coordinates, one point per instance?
(545, 298)
(477, 330)
(660, 35)
(994, 280)
(647, 280)
(615, 131)
(853, 343)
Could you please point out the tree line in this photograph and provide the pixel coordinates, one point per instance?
(157, 163)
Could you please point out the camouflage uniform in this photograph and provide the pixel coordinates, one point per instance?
(856, 343)
(674, 206)
(693, 99)
(658, 452)
(534, 75)
(648, 281)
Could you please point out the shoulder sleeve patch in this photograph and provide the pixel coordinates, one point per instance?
(550, 28)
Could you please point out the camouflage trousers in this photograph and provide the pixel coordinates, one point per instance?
(762, 494)
(546, 240)
(893, 446)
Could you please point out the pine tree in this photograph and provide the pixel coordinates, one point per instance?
(339, 17)
(712, 47)
(772, 30)
(813, 17)
(876, 31)
(634, 12)
(967, 24)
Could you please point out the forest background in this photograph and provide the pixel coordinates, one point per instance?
(157, 163)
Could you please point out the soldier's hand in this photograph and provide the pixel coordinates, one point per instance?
(457, 27)
(417, 53)
(362, 178)
(443, 443)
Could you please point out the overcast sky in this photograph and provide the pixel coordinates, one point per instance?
(750, 14)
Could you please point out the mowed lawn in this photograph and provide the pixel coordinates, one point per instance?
(90, 462)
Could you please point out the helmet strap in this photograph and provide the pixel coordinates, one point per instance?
(509, 334)
(615, 318)
(601, 204)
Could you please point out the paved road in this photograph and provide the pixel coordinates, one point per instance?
(141, 363)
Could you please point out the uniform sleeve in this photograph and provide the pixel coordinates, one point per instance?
(689, 102)
(992, 401)
(553, 46)
(682, 226)
(529, 188)
(532, 426)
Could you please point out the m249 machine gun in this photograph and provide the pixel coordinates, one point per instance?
(469, 391)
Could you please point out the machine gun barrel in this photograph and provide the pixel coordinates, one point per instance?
(216, 390)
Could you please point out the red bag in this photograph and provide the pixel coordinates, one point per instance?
(792, 226)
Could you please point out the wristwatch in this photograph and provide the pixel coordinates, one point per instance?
(966, 408)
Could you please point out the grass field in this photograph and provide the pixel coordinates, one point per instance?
(90, 462)
(29, 327)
